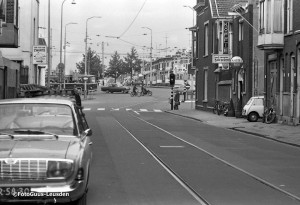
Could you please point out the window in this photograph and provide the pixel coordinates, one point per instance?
(287, 76)
(269, 16)
(220, 37)
(293, 68)
(205, 83)
(289, 16)
(206, 39)
(277, 16)
(3, 10)
(262, 16)
(241, 31)
(194, 44)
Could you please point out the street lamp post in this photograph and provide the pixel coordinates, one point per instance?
(85, 58)
(65, 47)
(61, 28)
(150, 55)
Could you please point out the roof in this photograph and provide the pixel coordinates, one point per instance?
(220, 8)
(48, 99)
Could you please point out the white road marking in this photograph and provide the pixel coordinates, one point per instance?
(189, 101)
(157, 110)
(136, 112)
(180, 181)
(166, 146)
(276, 187)
(101, 109)
(115, 109)
(127, 109)
(85, 109)
(143, 110)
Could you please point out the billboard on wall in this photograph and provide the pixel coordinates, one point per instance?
(39, 55)
(226, 37)
(221, 58)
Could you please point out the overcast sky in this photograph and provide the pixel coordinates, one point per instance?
(167, 19)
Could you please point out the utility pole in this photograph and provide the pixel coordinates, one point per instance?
(166, 45)
(49, 47)
(102, 56)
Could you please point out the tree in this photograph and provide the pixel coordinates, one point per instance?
(132, 62)
(93, 64)
(115, 68)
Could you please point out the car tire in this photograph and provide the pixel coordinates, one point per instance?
(252, 117)
(107, 91)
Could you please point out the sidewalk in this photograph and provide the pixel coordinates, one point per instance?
(278, 132)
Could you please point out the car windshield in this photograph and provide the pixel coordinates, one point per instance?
(51, 118)
(249, 101)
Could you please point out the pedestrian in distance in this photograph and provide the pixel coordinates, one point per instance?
(176, 100)
(77, 97)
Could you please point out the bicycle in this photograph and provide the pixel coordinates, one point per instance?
(269, 115)
(216, 108)
(221, 107)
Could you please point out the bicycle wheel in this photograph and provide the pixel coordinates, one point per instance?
(270, 117)
(215, 109)
(219, 109)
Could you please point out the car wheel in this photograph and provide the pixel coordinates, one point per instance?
(107, 91)
(253, 117)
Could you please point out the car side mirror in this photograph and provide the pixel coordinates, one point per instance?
(88, 132)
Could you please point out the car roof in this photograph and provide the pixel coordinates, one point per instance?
(47, 99)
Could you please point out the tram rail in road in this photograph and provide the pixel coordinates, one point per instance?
(198, 196)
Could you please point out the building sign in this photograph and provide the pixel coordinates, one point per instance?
(221, 58)
(39, 55)
(225, 37)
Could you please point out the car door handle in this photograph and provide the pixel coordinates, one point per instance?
(90, 143)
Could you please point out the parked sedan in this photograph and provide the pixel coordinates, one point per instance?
(114, 87)
(45, 151)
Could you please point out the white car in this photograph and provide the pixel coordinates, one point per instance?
(254, 109)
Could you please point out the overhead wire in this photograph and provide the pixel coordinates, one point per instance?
(133, 19)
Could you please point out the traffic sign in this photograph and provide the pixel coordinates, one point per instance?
(39, 55)
(187, 86)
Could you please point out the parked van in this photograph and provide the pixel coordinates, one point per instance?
(254, 108)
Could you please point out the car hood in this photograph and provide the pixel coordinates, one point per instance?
(34, 149)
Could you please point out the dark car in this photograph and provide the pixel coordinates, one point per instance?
(180, 89)
(45, 151)
(114, 87)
